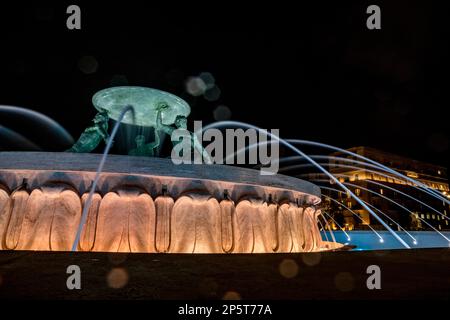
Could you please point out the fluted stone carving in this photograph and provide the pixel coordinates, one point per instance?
(310, 242)
(149, 204)
(164, 206)
(313, 239)
(196, 226)
(87, 239)
(256, 227)
(47, 219)
(126, 222)
(129, 220)
(227, 224)
(290, 230)
(5, 211)
(19, 201)
(314, 227)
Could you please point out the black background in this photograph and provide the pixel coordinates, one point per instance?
(311, 69)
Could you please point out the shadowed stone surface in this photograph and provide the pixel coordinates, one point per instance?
(406, 274)
(237, 177)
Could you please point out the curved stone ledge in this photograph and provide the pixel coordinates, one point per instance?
(150, 174)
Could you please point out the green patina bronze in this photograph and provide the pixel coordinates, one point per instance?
(145, 149)
(146, 103)
(92, 136)
(153, 108)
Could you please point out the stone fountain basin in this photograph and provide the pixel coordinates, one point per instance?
(131, 213)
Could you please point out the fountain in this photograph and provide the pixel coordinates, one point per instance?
(138, 202)
(143, 204)
(58, 201)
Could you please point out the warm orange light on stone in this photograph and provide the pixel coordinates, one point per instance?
(196, 225)
(5, 211)
(49, 220)
(255, 232)
(87, 239)
(164, 206)
(126, 222)
(132, 212)
(290, 225)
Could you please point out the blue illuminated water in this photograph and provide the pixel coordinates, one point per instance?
(367, 240)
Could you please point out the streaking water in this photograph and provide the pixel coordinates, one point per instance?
(87, 205)
(322, 169)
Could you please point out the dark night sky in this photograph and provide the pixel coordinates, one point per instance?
(314, 71)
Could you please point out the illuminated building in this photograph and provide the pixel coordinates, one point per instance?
(381, 188)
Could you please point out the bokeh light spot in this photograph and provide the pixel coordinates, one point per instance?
(288, 268)
(208, 79)
(213, 94)
(195, 86)
(222, 113)
(117, 278)
(231, 295)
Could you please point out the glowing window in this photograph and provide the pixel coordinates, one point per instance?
(412, 174)
(428, 216)
(381, 191)
(357, 192)
(433, 216)
(422, 216)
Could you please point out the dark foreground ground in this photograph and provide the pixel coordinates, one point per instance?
(405, 274)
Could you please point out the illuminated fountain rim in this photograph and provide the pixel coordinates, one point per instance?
(156, 203)
(60, 162)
